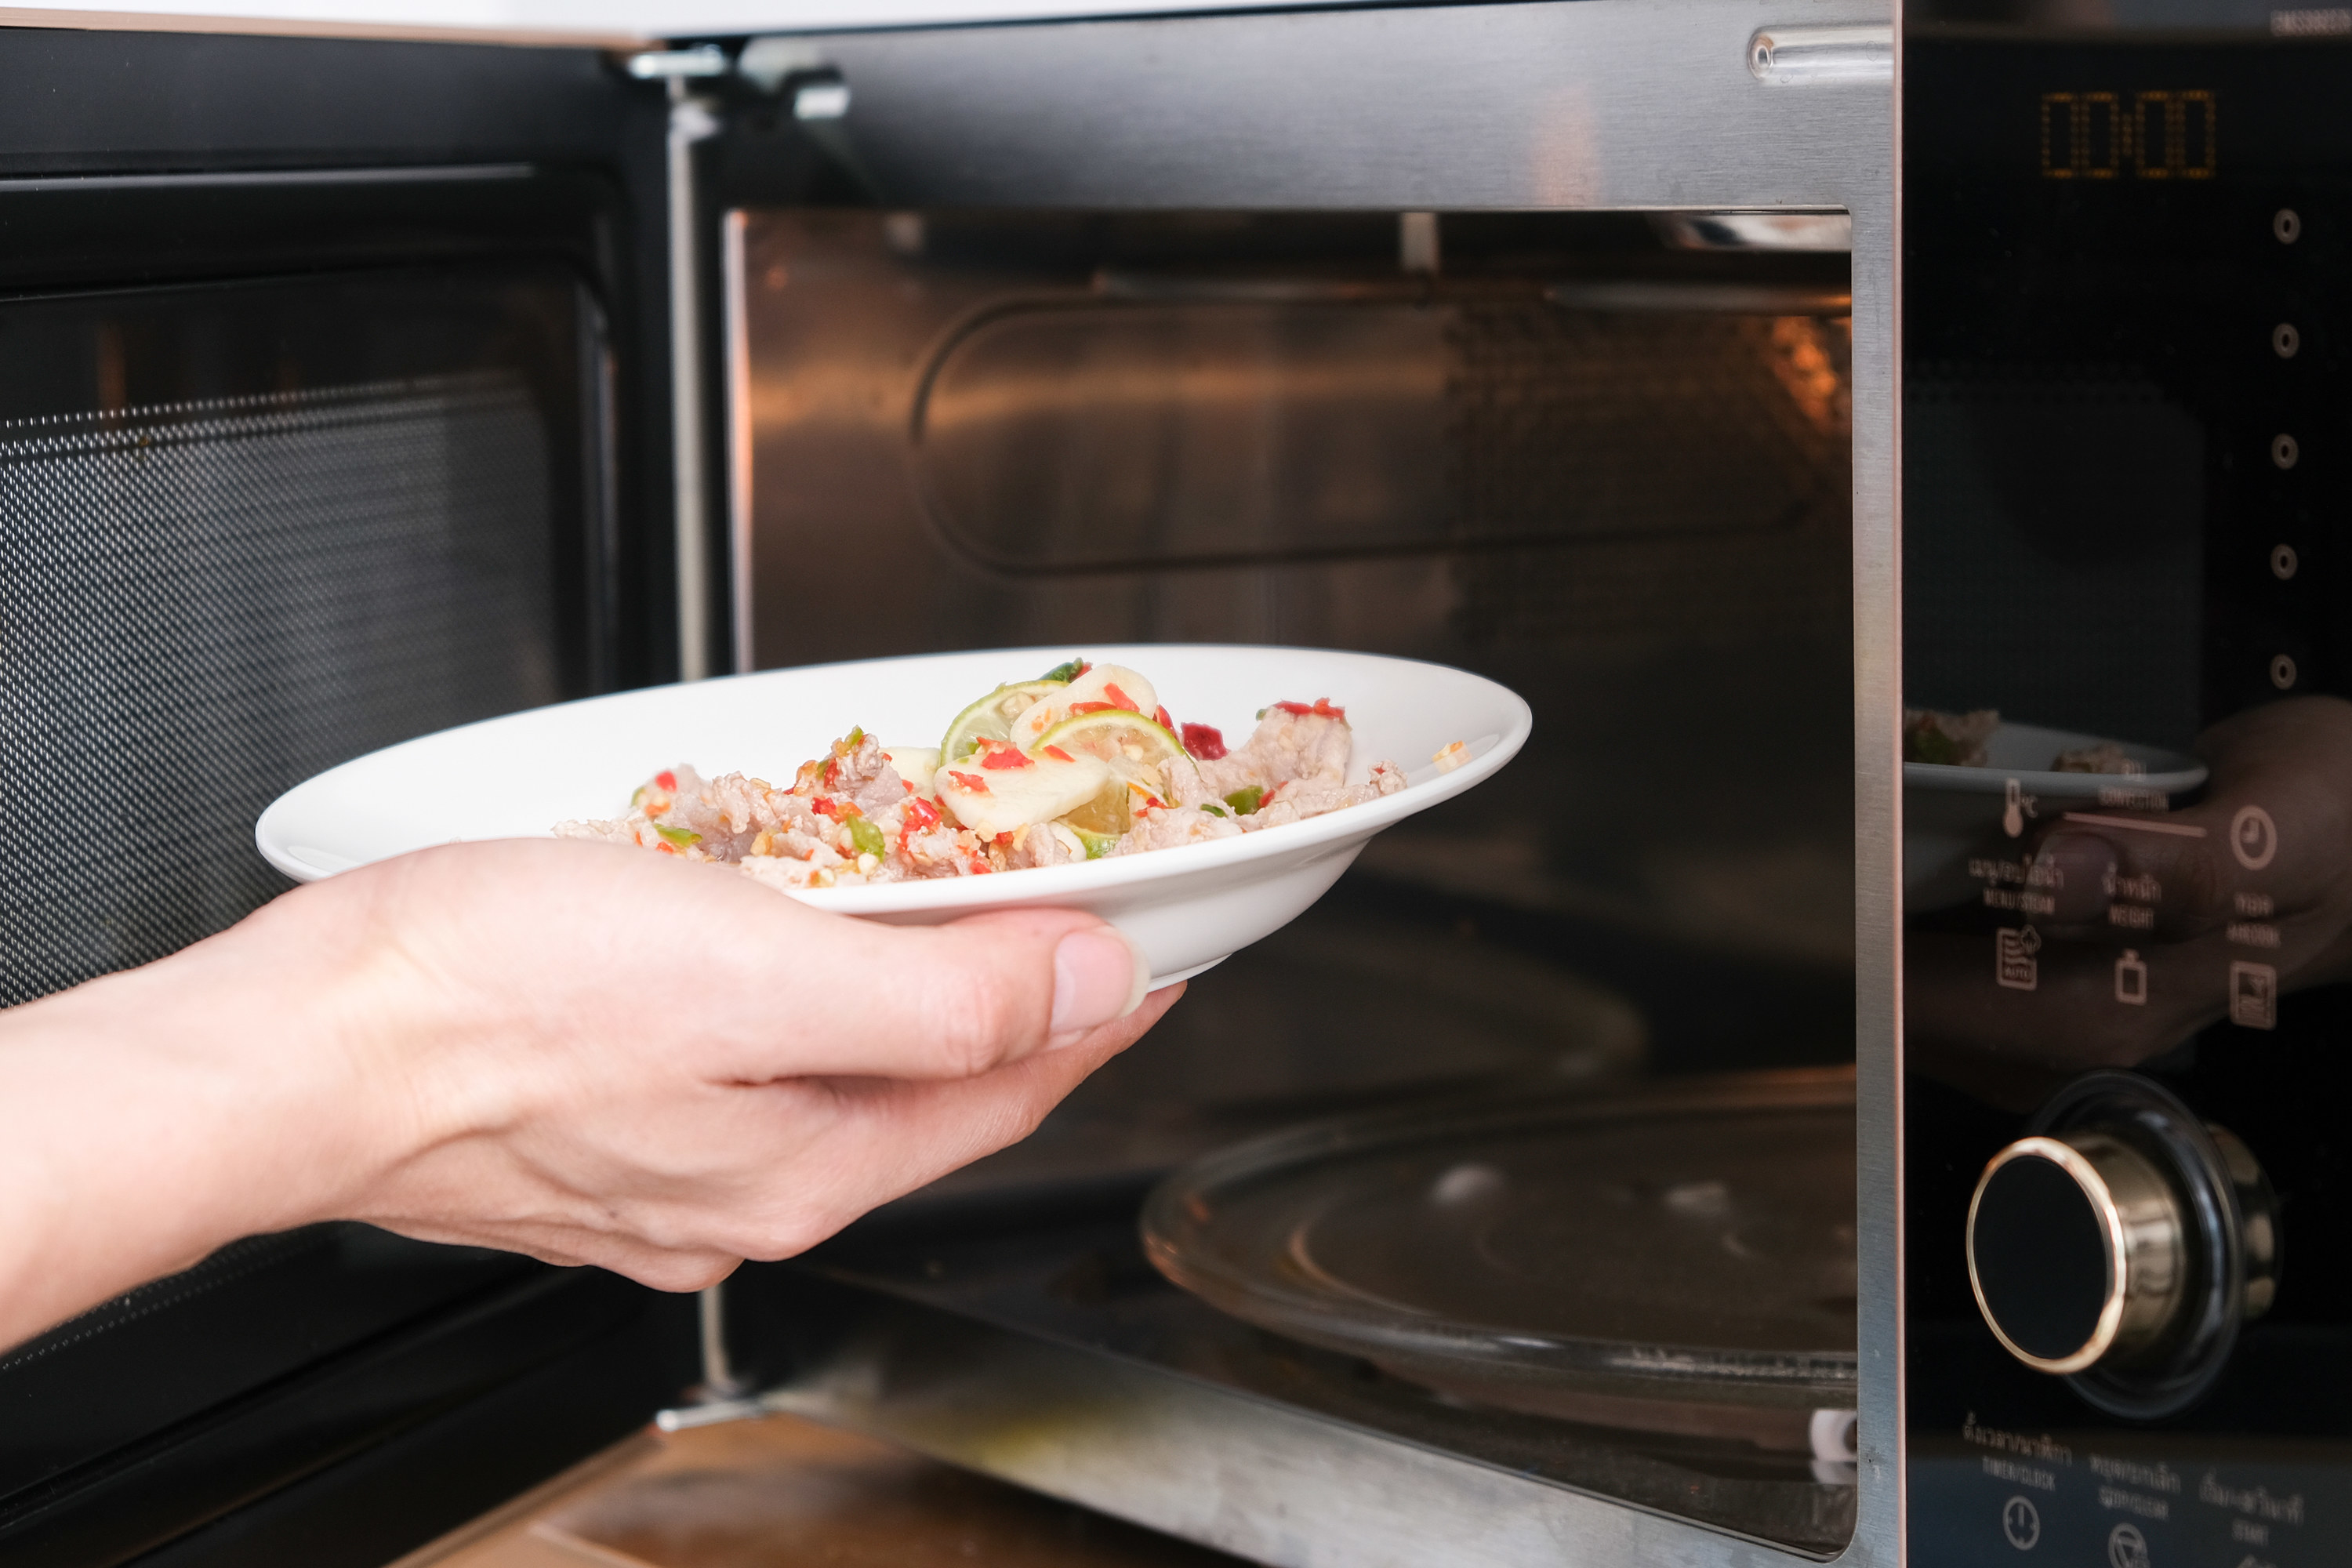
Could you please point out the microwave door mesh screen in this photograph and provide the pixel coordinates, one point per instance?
(202, 604)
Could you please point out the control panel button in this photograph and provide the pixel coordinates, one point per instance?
(2075, 1250)
(2122, 1243)
(2020, 1521)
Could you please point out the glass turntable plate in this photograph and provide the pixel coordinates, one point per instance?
(1681, 1258)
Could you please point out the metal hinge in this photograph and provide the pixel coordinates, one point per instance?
(1827, 55)
(671, 65)
(786, 67)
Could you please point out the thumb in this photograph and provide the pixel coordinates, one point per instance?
(963, 999)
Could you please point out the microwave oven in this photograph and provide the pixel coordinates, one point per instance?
(1858, 1089)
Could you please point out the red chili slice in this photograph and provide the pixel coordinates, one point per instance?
(1205, 741)
(920, 814)
(1007, 757)
(666, 780)
(1078, 708)
(822, 805)
(1111, 690)
(1321, 707)
(1059, 755)
(972, 782)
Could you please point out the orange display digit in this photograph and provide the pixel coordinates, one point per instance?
(2201, 151)
(2060, 168)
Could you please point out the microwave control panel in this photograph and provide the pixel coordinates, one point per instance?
(2127, 792)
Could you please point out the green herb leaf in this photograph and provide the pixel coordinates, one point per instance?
(678, 836)
(1246, 800)
(1214, 810)
(1064, 672)
(865, 834)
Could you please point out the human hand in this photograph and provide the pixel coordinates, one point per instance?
(584, 1053)
(2173, 891)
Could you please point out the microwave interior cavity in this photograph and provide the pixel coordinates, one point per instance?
(1602, 1009)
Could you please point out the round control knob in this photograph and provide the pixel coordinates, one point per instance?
(2076, 1251)
(2122, 1244)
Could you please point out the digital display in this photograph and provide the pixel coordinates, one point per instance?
(2151, 135)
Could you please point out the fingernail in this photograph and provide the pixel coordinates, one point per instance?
(1099, 975)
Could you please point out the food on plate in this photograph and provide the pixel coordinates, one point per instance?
(2107, 757)
(1956, 740)
(1081, 763)
(1959, 740)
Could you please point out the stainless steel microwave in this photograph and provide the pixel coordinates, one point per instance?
(1860, 1088)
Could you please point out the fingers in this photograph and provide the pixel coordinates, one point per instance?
(785, 1167)
(890, 1138)
(2272, 839)
(2166, 921)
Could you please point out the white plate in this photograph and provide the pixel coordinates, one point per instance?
(1951, 814)
(1187, 907)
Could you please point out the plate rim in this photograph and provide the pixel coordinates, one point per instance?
(1331, 832)
(2183, 772)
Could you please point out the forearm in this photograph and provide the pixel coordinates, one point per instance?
(149, 1118)
(472, 1044)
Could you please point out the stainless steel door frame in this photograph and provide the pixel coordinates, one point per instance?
(1595, 104)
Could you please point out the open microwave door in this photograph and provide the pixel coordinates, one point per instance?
(337, 412)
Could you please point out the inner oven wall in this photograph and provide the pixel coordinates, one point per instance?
(1614, 476)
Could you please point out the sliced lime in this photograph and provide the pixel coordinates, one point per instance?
(1103, 686)
(1117, 736)
(1110, 814)
(991, 717)
(1097, 844)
